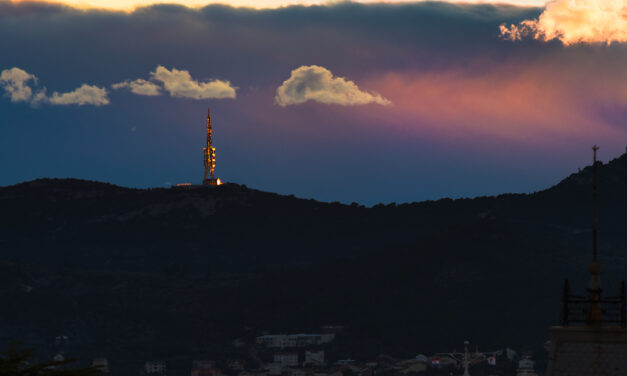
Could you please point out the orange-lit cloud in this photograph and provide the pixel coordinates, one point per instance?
(127, 5)
(575, 21)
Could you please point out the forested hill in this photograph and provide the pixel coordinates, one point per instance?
(194, 268)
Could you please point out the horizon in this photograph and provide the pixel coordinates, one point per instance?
(197, 185)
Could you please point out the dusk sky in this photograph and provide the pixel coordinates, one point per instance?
(348, 101)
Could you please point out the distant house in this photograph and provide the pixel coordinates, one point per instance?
(101, 363)
(203, 364)
(344, 362)
(274, 369)
(205, 368)
(155, 367)
(332, 328)
(414, 366)
(286, 359)
(236, 365)
(314, 357)
(294, 340)
(299, 372)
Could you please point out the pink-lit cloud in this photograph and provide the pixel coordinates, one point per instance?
(514, 101)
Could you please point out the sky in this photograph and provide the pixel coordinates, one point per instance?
(349, 102)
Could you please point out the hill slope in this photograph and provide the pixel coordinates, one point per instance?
(135, 274)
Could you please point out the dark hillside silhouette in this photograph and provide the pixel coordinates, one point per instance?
(174, 273)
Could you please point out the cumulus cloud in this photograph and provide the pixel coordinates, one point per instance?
(14, 81)
(575, 21)
(86, 94)
(318, 84)
(139, 87)
(179, 83)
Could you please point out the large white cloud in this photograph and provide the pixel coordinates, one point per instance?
(317, 83)
(575, 21)
(139, 87)
(86, 94)
(14, 81)
(179, 83)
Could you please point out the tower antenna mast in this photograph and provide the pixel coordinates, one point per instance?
(209, 156)
(595, 221)
(595, 315)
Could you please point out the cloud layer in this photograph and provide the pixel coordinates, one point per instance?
(575, 21)
(317, 83)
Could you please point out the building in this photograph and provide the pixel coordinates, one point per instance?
(592, 339)
(155, 367)
(206, 372)
(236, 365)
(205, 368)
(286, 359)
(101, 363)
(274, 369)
(314, 358)
(294, 340)
(203, 364)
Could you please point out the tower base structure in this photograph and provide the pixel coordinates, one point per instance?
(211, 182)
(588, 351)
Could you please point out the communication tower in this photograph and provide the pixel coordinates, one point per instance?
(209, 156)
(594, 328)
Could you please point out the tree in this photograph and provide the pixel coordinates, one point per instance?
(16, 361)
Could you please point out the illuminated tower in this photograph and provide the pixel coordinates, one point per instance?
(209, 156)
